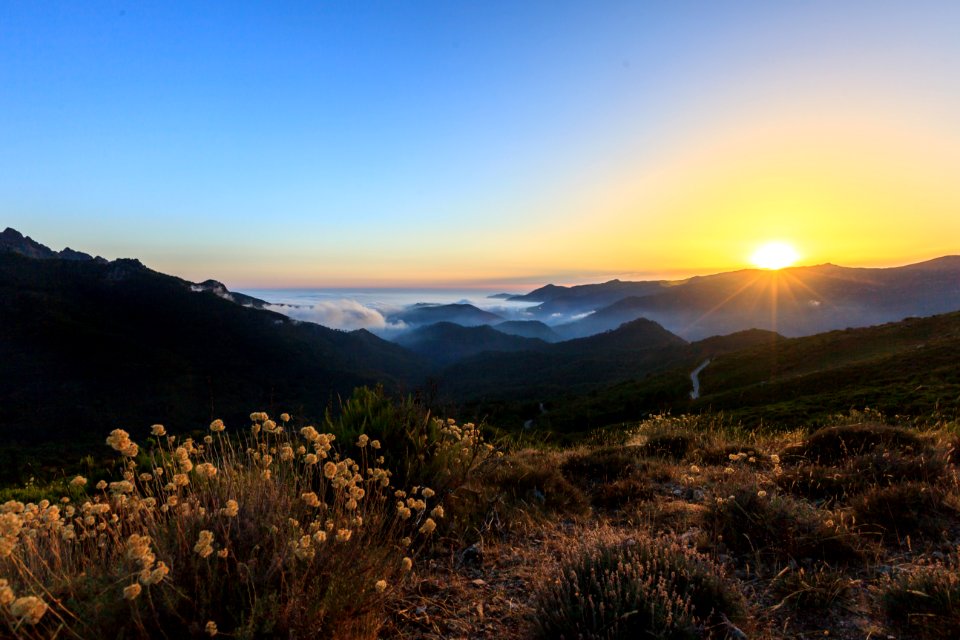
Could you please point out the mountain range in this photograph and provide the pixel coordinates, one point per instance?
(89, 345)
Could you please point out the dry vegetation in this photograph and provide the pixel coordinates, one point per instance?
(683, 527)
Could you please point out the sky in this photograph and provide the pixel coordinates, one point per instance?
(480, 143)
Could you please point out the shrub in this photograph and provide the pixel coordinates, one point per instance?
(667, 445)
(638, 588)
(834, 444)
(925, 601)
(281, 534)
(603, 464)
(515, 491)
(821, 587)
(911, 509)
(778, 527)
(856, 475)
(423, 450)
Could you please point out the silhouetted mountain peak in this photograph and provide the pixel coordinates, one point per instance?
(13, 241)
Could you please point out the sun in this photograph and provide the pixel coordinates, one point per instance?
(774, 255)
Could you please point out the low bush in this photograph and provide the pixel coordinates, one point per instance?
(912, 509)
(820, 587)
(638, 588)
(834, 444)
(518, 490)
(275, 533)
(925, 601)
(779, 528)
(860, 473)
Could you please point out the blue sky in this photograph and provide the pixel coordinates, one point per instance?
(328, 143)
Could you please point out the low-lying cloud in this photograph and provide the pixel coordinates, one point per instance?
(339, 314)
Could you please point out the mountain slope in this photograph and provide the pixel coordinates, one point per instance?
(446, 342)
(466, 315)
(902, 368)
(88, 347)
(528, 329)
(632, 350)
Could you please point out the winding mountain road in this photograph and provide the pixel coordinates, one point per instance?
(695, 379)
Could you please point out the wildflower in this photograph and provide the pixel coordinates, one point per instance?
(204, 546)
(362, 440)
(130, 592)
(311, 459)
(223, 553)
(428, 526)
(231, 510)
(375, 444)
(381, 586)
(206, 470)
(775, 459)
(121, 486)
(310, 499)
(208, 439)
(155, 575)
(269, 426)
(427, 492)
(158, 430)
(180, 480)
(330, 470)
(734, 457)
(29, 609)
(120, 441)
(146, 477)
(285, 417)
(266, 474)
(406, 564)
(406, 541)
(217, 426)
(286, 452)
(6, 593)
(320, 536)
(102, 485)
(343, 535)
(78, 481)
(437, 512)
(211, 628)
(761, 494)
(729, 470)
(138, 550)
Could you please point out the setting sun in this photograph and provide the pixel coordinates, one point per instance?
(774, 255)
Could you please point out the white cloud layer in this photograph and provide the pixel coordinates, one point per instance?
(339, 314)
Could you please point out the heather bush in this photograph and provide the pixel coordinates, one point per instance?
(638, 588)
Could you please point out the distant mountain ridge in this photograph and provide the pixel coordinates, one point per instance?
(463, 314)
(447, 342)
(795, 301)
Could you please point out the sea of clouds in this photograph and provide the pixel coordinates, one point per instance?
(372, 309)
